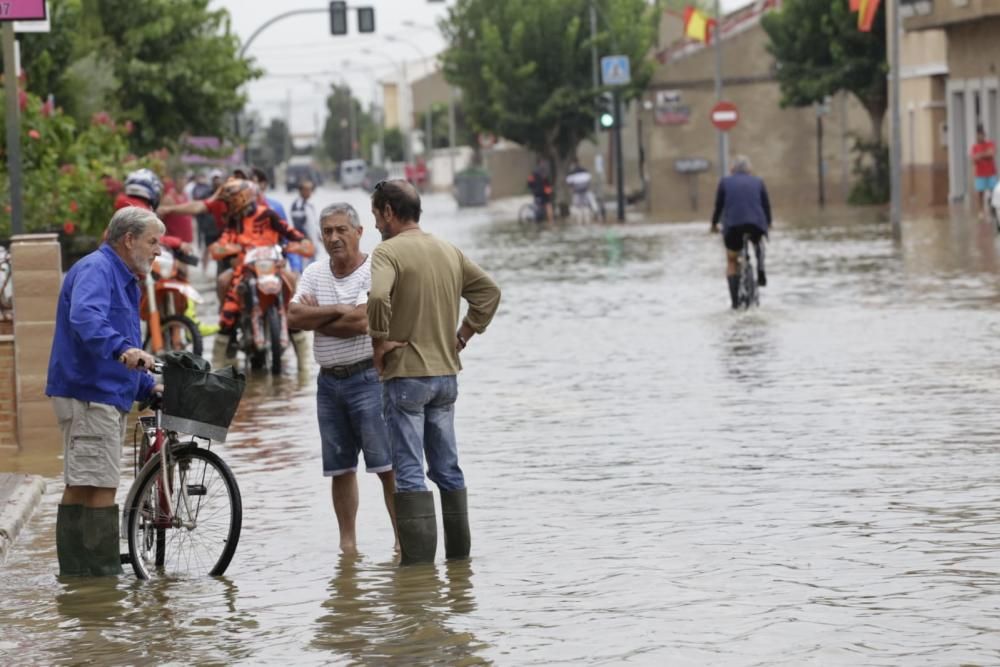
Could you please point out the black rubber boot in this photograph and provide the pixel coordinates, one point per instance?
(734, 290)
(100, 541)
(69, 542)
(417, 526)
(455, 517)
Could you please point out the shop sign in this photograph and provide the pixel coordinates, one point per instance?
(668, 109)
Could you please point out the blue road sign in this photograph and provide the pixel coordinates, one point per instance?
(615, 71)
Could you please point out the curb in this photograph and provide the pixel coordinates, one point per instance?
(17, 508)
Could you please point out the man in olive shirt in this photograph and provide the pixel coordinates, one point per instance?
(418, 282)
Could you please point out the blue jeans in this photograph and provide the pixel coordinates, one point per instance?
(350, 421)
(420, 416)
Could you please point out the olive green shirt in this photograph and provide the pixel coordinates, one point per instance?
(418, 281)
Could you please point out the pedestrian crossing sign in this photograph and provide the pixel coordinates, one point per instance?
(615, 71)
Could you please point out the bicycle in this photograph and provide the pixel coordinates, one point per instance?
(6, 286)
(531, 213)
(184, 512)
(747, 294)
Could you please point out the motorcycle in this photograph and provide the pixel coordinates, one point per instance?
(265, 291)
(166, 299)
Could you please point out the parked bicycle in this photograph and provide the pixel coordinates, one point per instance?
(184, 511)
(532, 212)
(747, 293)
(6, 286)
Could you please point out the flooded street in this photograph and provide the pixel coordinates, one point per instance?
(653, 479)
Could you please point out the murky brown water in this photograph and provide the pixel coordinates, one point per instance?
(653, 479)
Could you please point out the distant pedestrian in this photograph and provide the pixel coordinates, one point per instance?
(418, 281)
(330, 300)
(983, 154)
(306, 221)
(95, 374)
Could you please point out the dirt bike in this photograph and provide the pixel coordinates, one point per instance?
(265, 291)
(164, 303)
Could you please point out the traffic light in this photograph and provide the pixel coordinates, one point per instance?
(366, 19)
(338, 18)
(606, 109)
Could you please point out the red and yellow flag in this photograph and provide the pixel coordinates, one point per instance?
(697, 25)
(866, 13)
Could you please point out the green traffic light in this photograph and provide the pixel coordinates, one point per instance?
(607, 120)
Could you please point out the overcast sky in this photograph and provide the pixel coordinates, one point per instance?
(301, 58)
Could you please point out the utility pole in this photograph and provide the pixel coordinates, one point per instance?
(13, 130)
(896, 152)
(723, 137)
(820, 110)
(619, 161)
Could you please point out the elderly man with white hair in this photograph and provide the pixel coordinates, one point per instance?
(742, 203)
(97, 369)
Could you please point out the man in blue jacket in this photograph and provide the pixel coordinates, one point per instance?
(741, 201)
(96, 372)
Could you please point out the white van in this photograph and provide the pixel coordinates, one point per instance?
(352, 173)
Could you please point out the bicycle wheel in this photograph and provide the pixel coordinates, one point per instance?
(201, 536)
(179, 333)
(747, 294)
(526, 214)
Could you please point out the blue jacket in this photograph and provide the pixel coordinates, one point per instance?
(742, 200)
(97, 319)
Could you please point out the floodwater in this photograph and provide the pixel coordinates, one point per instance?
(653, 479)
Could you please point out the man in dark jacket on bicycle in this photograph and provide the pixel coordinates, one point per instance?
(96, 372)
(741, 201)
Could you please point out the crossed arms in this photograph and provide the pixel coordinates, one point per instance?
(340, 320)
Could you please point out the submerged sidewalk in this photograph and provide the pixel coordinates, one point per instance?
(19, 496)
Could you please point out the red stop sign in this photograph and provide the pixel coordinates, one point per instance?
(725, 116)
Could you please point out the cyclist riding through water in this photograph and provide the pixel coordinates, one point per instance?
(741, 202)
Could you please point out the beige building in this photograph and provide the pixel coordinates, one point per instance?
(967, 46)
(782, 144)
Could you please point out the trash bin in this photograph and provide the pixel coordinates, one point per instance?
(472, 187)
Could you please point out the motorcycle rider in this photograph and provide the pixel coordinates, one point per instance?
(250, 224)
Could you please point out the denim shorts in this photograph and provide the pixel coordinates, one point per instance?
(350, 421)
(984, 183)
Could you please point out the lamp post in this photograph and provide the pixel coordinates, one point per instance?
(428, 127)
(405, 127)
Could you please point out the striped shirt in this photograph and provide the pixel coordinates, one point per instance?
(318, 281)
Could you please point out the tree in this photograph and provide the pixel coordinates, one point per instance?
(169, 66)
(278, 140)
(345, 122)
(525, 69)
(820, 51)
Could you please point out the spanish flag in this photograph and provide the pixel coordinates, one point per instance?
(866, 13)
(697, 25)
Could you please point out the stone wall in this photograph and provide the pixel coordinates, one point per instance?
(37, 272)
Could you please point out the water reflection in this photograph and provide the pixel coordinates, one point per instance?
(381, 613)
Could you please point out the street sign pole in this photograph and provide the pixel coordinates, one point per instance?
(616, 72)
(619, 160)
(723, 136)
(13, 130)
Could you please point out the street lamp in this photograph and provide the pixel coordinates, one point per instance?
(428, 121)
(405, 124)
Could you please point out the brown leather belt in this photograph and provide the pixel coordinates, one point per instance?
(343, 372)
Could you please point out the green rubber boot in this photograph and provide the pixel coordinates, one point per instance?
(455, 517)
(417, 526)
(100, 541)
(69, 542)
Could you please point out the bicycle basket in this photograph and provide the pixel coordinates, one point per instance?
(197, 400)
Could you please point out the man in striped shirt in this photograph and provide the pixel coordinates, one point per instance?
(331, 300)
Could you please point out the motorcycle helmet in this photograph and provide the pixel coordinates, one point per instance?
(239, 195)
(146, 184)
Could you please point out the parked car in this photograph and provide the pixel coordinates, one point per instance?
(352, 173)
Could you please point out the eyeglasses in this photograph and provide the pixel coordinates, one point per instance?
(378, 186)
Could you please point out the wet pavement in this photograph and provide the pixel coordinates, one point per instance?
(653, 479)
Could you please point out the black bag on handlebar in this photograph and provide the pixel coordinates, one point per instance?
(197, 400)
